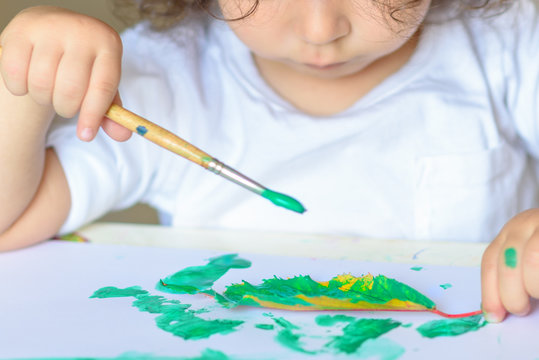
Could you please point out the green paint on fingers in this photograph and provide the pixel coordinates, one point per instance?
(510, 255)
(283, 200)
(451, 327)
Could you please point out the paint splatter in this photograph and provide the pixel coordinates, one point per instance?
(329, 320)
(174, 317)
(357, 332)
(451, 327)
(111, 292)
(446, 286)
(207, 354)
(195, 279)
(381, 349)
(210, 354)
(264, 326)
(417, 268)
(414, 257)
(341, 292)
(360, 337)
(510, 257)
(287, 337)
(142, 130)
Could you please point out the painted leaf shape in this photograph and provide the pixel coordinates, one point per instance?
(343, 292)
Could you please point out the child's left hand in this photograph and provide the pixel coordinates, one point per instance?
(510, 268)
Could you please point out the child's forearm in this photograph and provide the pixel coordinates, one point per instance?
(45, 213)
(23, 127)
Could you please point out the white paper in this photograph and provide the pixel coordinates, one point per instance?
(45, 309)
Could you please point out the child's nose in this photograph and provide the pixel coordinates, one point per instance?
(321, 22)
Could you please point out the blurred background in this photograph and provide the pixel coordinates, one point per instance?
(101, 9)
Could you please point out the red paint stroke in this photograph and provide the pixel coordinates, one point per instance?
(455, 316)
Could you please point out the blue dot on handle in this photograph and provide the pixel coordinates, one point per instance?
(141, 130)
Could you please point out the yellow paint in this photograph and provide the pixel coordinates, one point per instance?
(328, 303)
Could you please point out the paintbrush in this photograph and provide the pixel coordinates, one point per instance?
(177, 145)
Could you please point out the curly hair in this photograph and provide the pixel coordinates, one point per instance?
(163, 14)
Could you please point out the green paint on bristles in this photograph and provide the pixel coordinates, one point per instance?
(283, 200)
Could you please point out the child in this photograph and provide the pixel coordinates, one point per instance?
(397, 119)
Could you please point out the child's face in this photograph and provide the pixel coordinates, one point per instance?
(323, 38)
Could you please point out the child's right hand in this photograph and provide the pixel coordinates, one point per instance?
(65, 60)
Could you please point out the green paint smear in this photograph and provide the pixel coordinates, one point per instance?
(283, 291)
(446, 286)
(291, 340)
(381, 349)
(210, 354)
(174, 317)
(285, 323)
(112, 292)
(510, 257)
(283, 200)
(328, 320)
(207, 354)
(417, 268)
(264, 326)
(359, 331)
(451, 327)
(194, 279)
(288, 338)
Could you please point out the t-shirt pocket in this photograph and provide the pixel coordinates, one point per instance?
(470, 196)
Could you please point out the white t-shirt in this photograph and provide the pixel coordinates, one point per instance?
(444, 149)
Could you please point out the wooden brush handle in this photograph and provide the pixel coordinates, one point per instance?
(156, 134)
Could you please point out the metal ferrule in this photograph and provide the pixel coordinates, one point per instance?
(217, 167)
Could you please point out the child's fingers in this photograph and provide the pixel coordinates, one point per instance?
(72, 79)
(15, 61)
(101, 92)
(530, 263)
(511, 282)
(113, 129)
(491, 303)
(42, 73)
